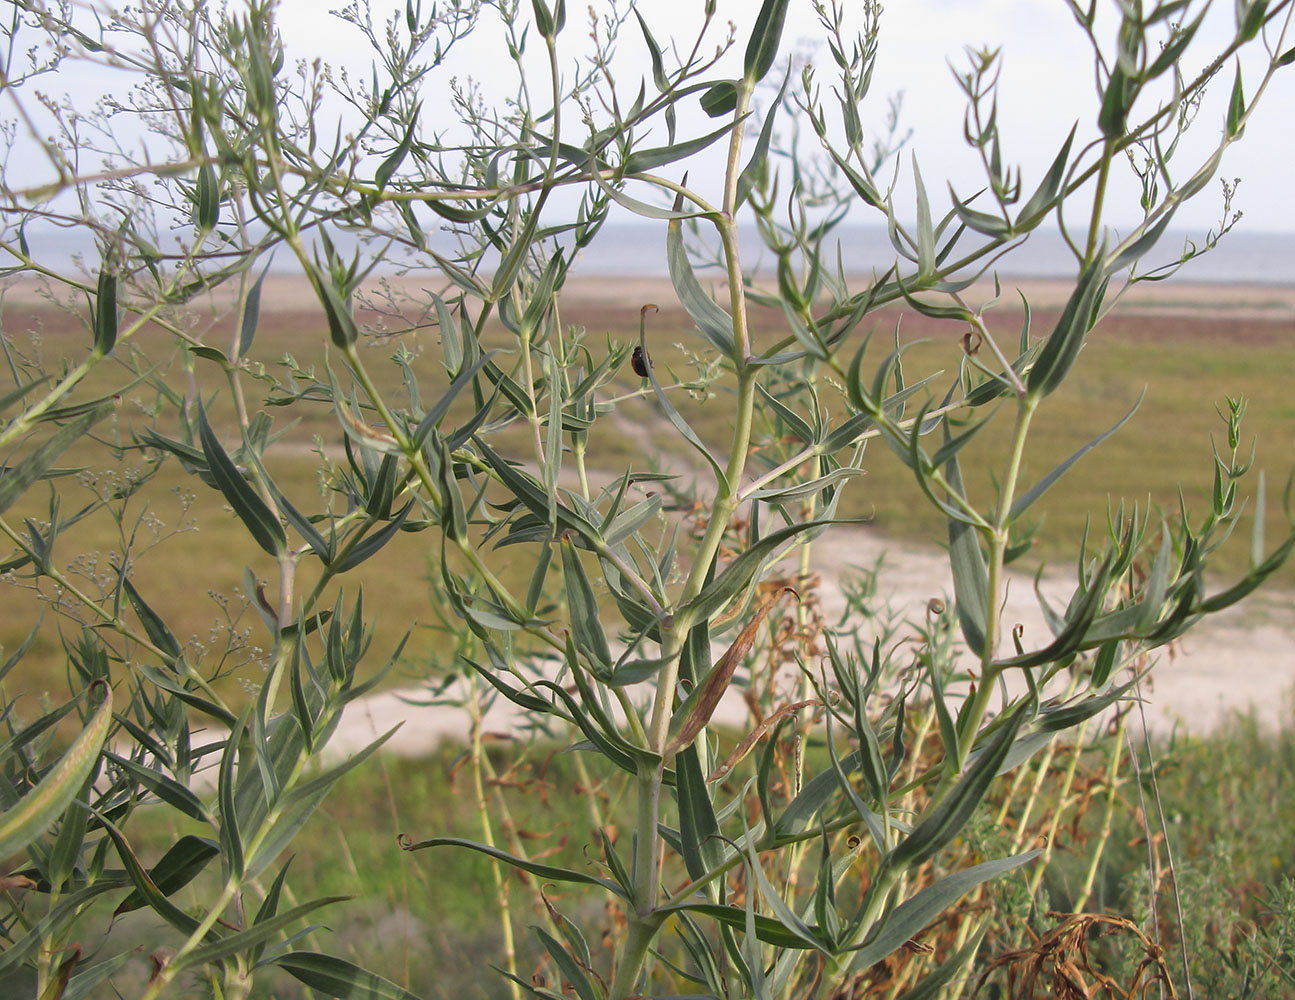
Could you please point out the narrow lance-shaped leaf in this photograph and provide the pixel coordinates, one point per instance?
(260, 522)
(269, 908)
(1043, 197)
(699, 833)
(547, 872)
(583, 605)
(391, 164)
(720, 99)
(300, 803)
(1027, 499)
(454, 517)
(911, 916)
(762, 49)
(568, 966)
(1063, 344)
(15, 479)
(1136, 250)
(571, 934)
(23, 946)
(738, 574)
(628, 522)
(342, 329)
(432, 418)
(925, 229)
(1236, 107)
(1251, 580)
(231, 837)
(713, 321)
(168, 790)
(251, 315)
(642, 160)
(105, 312)
(980, 222)
(755, 166)
(259, 933)
(323, 549)
(673, 415)
(543, 296)
(36, 811)
(553, 439)
(1079, 616)
(1174, 47)
(654, 50)
(944, 822)
(758, 926)
(448, 330)
(842, 776)
(208, 197)
(87, 980)
(970, 574)
(810, 937)
(790, 417)
(1113, 118)
(179, 866)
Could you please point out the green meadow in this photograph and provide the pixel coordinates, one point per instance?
(1182, 356)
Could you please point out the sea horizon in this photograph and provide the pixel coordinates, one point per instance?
(636, 249)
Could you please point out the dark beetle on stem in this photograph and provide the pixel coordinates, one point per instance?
(640, 361)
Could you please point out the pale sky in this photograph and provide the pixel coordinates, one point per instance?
(1047, 85)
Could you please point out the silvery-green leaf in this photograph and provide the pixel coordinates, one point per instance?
(762, 48)
(36, 811)
(388, 167)
(911, 916)
(14, 479)
(944, 822)
(546, 872)
(1030, 496)
(713, 321)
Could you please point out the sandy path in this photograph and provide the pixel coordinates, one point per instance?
(1241, 660)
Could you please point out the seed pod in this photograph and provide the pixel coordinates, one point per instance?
(640, 361)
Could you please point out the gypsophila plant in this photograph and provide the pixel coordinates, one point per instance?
(612, 602)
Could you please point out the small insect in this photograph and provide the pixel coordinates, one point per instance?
(640, 361)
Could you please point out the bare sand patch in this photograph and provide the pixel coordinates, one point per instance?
(1242, 660)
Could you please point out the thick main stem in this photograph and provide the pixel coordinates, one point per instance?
(644, 922)
(999, 536)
